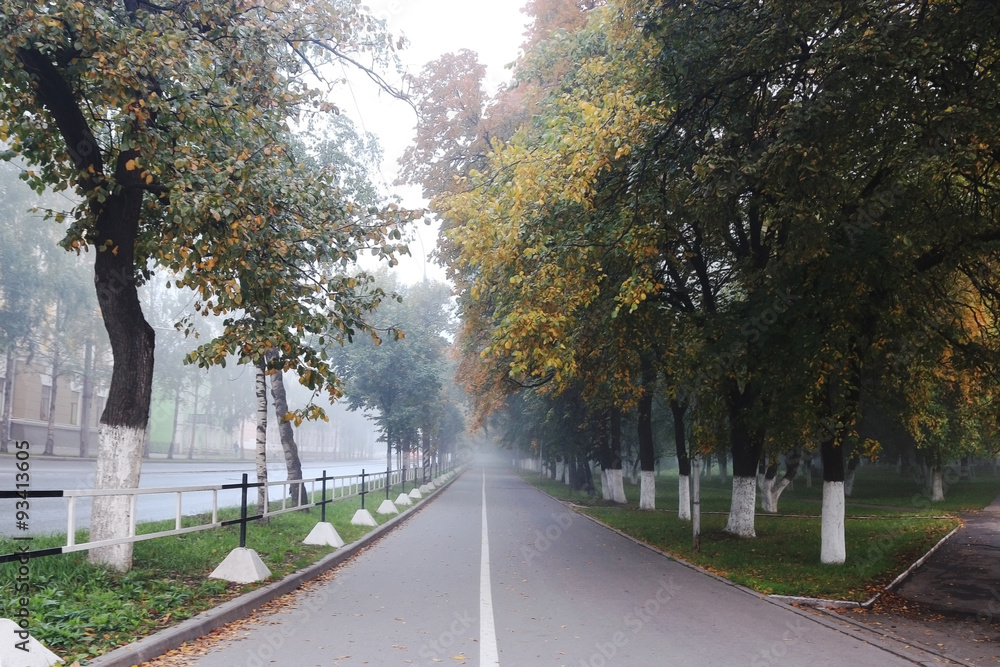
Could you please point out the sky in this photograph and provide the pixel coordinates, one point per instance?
(494, 30)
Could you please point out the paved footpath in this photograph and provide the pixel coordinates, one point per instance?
(539, 586)
(963, 576)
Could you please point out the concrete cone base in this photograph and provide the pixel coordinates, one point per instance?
(426, 488)
(363, 518)
(324, 534)
(14, 639)
(242, 566)
(387, 508)
(416, 495)
(403, 500)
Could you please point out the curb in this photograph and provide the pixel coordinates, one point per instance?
(160, 642)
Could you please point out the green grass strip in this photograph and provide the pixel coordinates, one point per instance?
(81, 611)
(890, 523)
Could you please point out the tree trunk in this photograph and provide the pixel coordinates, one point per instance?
(122, 428)
(616, 481)
(50, 426)
(766, 483)
(425, 451)
(683, 461)
(260, 386)
(937, 484)
(852, 466)
(8, 398)
(292, 462)
(723, 461)
(745, 446)
(647, 448)
(116, 226)
(86, 399)
(833, 545)
(769, 500)
(177, 416)
(194, 424)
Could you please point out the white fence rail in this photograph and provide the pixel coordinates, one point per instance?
(329, 488)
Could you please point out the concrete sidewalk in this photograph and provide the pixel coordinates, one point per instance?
(963, 576)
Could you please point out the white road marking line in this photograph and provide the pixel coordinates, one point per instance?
(488, 654)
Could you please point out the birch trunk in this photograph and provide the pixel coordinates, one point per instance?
(260, 385)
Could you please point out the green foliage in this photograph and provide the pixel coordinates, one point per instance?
(753, 194)
(401, 378)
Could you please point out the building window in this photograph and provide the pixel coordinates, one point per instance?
(43, 409)
(74, 407)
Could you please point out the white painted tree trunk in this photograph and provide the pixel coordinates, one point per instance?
(605, 487)
(937, 486)
(616, 481)
(833, 549)
(684, 497)
(849, 483)
(771, 492)
(119, 462)
(742, 507)
(647, 490)
(764, 485)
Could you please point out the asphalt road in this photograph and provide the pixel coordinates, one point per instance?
(551, 588)
(48, 515)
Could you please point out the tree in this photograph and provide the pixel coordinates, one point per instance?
(400, 379)
(698, 159)
(151, 113)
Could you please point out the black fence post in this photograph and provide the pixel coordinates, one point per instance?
(362, 488)
(243, 513)
(322, 503)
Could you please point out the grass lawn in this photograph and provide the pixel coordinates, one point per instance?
(81, 611)
(889, 525)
